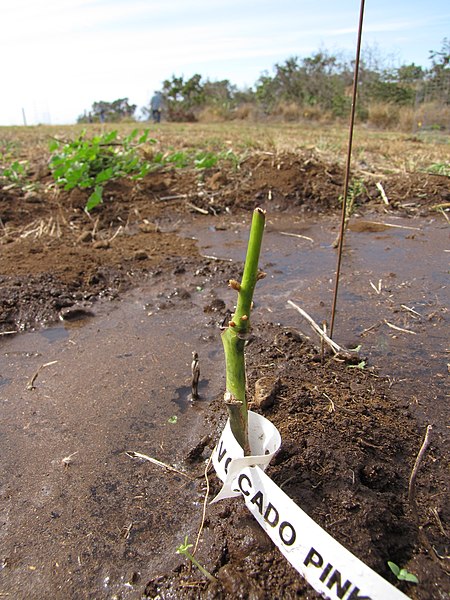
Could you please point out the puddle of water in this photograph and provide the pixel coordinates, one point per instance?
(397, 275)
(54, 334)
(99, 391)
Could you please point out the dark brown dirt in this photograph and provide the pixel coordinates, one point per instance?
(348, 443)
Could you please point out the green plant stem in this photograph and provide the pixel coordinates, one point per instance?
(199, 566)
(234, 337)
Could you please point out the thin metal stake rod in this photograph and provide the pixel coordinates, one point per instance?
(347, 165)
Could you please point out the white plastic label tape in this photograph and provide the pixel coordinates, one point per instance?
(330, 568)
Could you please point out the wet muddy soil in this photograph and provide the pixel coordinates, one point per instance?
(111, 308)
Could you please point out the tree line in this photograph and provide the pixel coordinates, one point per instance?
(315, 87)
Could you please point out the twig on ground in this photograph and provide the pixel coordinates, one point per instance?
(30, 384)
(118, 230)
(382, 192)
(205, 503)
(374, 326)
(377, 289)
(411, 310)
(444, 214)
(412, 493)
(195, 369)
(176, 197)
(218, 258)
(127, 530)
(419, 458)
(156, 462)
(435, 514)
(297, 235)
(322, 343)
(392, 326)
(202, 211)
(396, 226)
(335, 347)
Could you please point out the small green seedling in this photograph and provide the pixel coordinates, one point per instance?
(16, 172)
(356, 348)
(440, 168)
(184, 549)
(172, 420)
(361, 365)
(402, 574)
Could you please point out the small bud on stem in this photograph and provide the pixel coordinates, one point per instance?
(234, 285)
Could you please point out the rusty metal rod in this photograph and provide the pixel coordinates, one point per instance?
(347, 165)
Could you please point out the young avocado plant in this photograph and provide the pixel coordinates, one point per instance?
(235, 335)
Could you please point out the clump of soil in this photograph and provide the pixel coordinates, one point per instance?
(348, 448)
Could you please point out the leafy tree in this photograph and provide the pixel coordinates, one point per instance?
(319, 80)
(439, 76)
(411, 74)
(118, 110)
(183, 97)
(219, 93)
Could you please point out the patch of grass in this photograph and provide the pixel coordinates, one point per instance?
(440, 168)
(200, 159)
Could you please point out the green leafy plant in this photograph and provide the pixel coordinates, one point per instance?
(356, 189)
(361, 365)
(203, 159)
(16, 172)
(91, 163)
(184, 550)
(440, 168)
(402, 574)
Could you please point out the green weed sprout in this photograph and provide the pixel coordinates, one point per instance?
(15, 172)
(402, 574)
(184, 549)
(356, 189)
(440, 168)
(201, 159)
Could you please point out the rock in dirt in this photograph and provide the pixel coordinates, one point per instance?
(217, 180)
(266, 389)
(75, 313)
(101, 245)
(148, 228)
(85, 237)
(140, 255)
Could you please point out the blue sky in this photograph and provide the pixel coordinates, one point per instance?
(59, 56)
